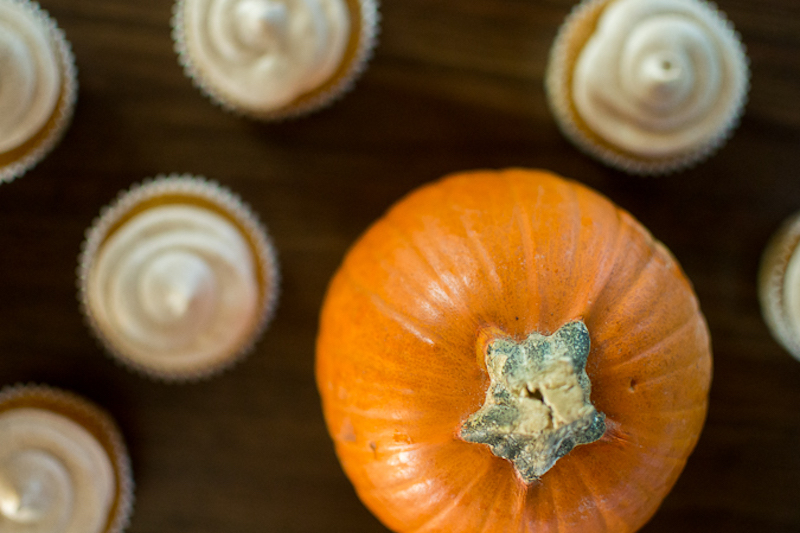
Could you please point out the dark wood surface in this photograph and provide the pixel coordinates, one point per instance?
(454, 85)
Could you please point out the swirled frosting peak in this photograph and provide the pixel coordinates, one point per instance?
(55, 477)
(264, 54)
(660, 77)
(30, 80)
(175, 288)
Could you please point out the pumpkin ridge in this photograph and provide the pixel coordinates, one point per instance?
(453, 503)
(632, 441)
(652, 348)
(554, 505)
(484, 518)
(407, 322)
(437, 263)
(398, 486)
(520, 510)
(402, 484)
(612, 257)
(615, 307)
(599, 511)
(681, 369)
(687, 409)
(433, 273)
(369, 414)
(633, 517)
(523, 221)
(475, 243)
(411, 417)
(574, 239)
(632, 283)
(649, 452)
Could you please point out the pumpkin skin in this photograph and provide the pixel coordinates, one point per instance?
(477, 256)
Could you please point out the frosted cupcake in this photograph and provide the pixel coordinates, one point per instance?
(779, 285)
(178, 278)
(647, 86)
(272, 59)
(63, 465)
(38, 86)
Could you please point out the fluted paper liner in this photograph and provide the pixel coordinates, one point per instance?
(94, 420)
(359, 50)
(569, 42)
(192, 190)
(24, 157)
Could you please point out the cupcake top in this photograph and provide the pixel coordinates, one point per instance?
(791, 293)
(656, 80)
(263, 55)
(56, 474)
(178, 277)
(779, 285)
(31, 77)
(37, 86)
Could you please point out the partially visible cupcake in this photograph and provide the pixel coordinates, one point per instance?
(63, 464)
(647, 86)
(272, 59)
(38, 86)
(178, 278)
(779, 285)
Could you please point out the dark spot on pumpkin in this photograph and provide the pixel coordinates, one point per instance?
(633, 384)
(374, 447)
(516, 318)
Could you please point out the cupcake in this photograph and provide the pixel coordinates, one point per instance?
(178, 278)
(272, 59)
(646, 86)
(63, 464)
(779, 285)
(38, 86)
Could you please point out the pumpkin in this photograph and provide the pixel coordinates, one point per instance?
(509, 351)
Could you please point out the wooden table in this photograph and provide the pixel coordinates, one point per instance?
(454, 84)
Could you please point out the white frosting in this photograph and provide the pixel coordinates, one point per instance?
(55, 477)
(30, 80)
(659, 77)
(264, 54)
(175, 288)
(779, 285)
(791, 293)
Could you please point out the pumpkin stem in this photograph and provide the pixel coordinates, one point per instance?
(537, 407)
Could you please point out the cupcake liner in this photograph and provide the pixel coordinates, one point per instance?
(771, 275)
(558, 78)
(342, 82)
(198, 187)
(62, 116)
(94, 420)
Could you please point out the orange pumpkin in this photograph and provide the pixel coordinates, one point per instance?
(510, 352)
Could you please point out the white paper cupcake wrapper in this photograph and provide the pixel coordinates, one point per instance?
(63, 115)
(559, 99)
(370, 28)
(772, 272)
(187, 185)
(111, 438)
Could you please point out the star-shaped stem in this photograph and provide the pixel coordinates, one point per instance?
(537, 407)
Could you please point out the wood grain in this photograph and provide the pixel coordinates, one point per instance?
(453, 85)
